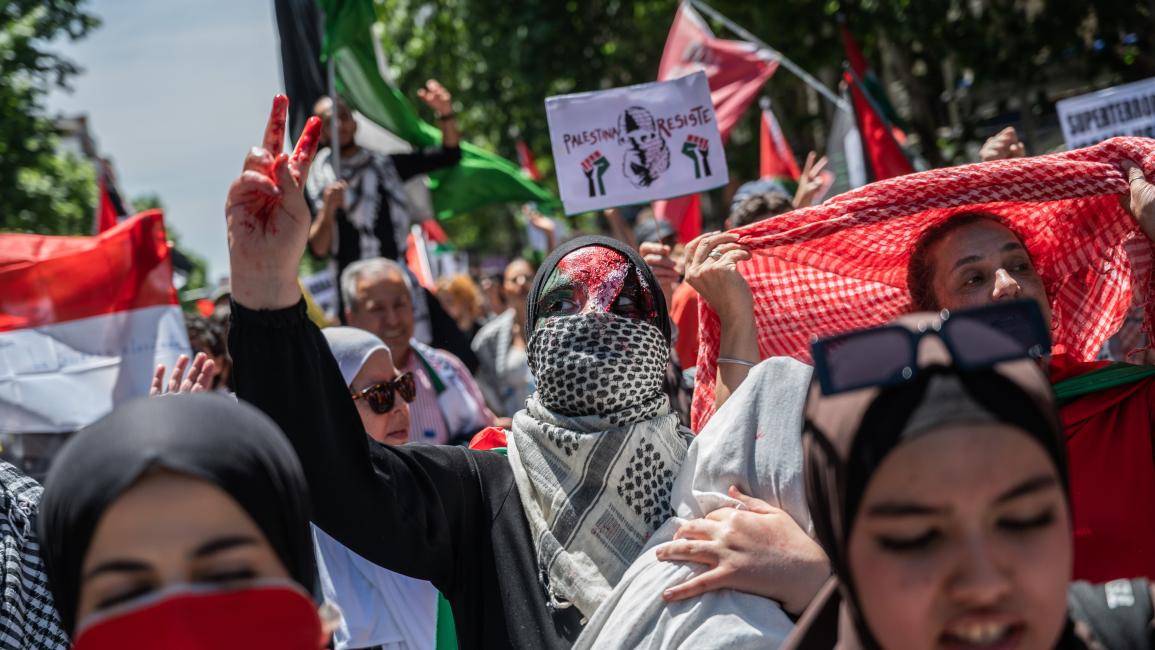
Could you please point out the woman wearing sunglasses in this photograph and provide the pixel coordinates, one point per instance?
(379, 608)
(526, 546)
(381, 393)
(938, 487)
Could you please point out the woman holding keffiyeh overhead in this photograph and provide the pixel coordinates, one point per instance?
(1072, 231)
(525, 547)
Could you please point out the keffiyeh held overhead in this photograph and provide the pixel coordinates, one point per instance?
(842, 265)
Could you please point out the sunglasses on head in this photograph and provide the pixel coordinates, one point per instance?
(888, 355)
(379, 396)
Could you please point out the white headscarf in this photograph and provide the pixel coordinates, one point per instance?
(351, 348)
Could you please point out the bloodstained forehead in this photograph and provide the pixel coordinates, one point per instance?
(603, 273)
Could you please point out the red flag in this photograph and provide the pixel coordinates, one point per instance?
(87, 318)
(434, 232)
(853, 54)
(106, 216)
(776, 158)
(417, 258)
(684, 213)
(526, 160)
(735, 71)
(883, 154)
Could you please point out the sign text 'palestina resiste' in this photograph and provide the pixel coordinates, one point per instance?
(636, 144)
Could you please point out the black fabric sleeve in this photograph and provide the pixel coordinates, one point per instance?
(424, 161)
(407, 509)
(447, 336)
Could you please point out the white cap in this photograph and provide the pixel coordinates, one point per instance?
(351, 348)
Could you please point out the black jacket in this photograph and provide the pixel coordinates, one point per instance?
(444, 514)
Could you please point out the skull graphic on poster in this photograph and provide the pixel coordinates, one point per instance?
(647, 155)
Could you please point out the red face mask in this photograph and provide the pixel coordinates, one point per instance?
(279, 616)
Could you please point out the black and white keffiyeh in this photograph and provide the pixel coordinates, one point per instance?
(28, 618)
(595, 452)
(370, 176)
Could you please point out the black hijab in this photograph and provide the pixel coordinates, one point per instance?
(847, 436)
(547, 267)
(210, 437)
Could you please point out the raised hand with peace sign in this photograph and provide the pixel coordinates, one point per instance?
(268, 217)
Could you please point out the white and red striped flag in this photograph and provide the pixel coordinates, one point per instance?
(83, 323)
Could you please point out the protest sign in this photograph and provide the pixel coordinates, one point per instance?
(635, 144)
(322, 286)
(1120, 111)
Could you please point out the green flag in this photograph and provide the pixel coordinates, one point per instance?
(480, 179)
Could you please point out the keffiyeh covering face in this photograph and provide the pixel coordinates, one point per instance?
(600, 364)
(597, 448)
(842, 265)
(209, 437)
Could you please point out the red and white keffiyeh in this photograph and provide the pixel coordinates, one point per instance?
(842, 265)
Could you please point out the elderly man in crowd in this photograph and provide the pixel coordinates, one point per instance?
(449, 407)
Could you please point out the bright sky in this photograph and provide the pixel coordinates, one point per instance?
(176, 93)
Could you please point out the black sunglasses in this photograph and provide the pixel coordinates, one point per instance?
(888, 355)
(380, 396)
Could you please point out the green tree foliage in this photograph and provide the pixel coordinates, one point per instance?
(56, 196)
(502, 59)
(40, 191)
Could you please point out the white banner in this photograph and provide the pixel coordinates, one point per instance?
(322, 286)
(63, 376)
(1123, 110)
(637, 144)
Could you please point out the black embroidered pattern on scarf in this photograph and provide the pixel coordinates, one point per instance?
(566, 441)
(646, 484)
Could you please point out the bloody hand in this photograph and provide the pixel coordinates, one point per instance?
(268, 218)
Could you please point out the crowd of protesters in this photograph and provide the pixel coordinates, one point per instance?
(507, 462)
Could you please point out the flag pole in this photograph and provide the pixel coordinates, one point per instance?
(334, 144)
(805, 76)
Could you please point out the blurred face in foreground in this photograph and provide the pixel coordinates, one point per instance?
(171, 529)
(390, 428)
(982, 263)
(963, 540)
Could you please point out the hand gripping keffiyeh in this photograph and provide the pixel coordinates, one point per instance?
(28, 618)
(842, 265)
(595, 487)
